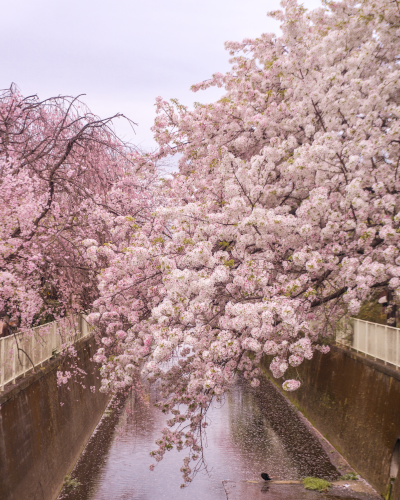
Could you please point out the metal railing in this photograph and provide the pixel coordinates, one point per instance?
(24, 351)
(379, 341)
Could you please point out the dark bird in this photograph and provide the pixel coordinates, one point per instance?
(265, 476)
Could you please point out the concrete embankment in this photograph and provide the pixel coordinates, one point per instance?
(43, 428)
(354, 402)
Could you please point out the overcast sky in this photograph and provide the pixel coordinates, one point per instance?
(124, 53)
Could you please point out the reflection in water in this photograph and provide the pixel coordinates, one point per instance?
(251, 432)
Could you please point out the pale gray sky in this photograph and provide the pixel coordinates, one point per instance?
(124, 53)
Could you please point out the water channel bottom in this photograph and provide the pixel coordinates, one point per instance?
(252, 431)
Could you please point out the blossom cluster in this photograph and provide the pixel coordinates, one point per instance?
(65, 179)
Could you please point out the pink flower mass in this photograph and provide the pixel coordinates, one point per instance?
(65, 180)
(284, 215)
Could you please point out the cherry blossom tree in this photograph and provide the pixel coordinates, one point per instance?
(65, 178)
(284, 216)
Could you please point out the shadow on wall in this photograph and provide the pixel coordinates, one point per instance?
(394, 473)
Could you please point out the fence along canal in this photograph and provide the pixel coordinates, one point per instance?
(372, 339)
(22, 352)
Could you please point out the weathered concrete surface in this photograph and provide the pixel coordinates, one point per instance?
(294, 490)
(355, 403)
(395, 493)
(43, 428)
(396, 489)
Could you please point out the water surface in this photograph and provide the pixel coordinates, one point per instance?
(252, 431)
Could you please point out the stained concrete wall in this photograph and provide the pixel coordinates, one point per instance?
(43, 428)
(355, 403)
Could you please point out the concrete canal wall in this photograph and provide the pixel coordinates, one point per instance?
(354, 402)
(43, 428)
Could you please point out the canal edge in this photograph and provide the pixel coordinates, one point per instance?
(334, 456)
(92, 434)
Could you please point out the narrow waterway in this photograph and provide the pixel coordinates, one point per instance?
(253, 431)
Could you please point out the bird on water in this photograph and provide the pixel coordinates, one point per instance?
(265, 476)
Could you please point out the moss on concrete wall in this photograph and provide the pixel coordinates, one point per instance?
(355, 403)
(40, 438)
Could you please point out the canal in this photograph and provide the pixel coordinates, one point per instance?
(252, 431)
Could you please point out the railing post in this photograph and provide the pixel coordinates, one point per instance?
(41, 351)
(398, 349)
(79, 326)
(25, 358)
(356, 334)
(53, 339)
(14, 362)
(2, 349)
(33, 352)
(386, 345)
